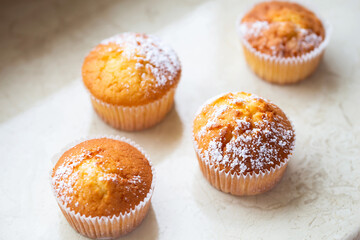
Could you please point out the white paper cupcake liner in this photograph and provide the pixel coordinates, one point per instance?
(106, 227)
(137, 117)
(238, 183)
(284, 70)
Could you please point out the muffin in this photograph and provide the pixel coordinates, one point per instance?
(103, 186)
(283, 42)
(132, 78)
(243, 143)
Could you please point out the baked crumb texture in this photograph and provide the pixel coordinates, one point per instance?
(132, 79)
(282, 29)
(283, 42)
(103, 187)
(241, 138)
(102, 177)
(131, 69)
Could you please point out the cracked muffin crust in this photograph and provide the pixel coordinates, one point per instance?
(243, 143)
(131, 69)
(243, 133)
(102, 177)
(132, 78)
(283, 42)
(282, 29)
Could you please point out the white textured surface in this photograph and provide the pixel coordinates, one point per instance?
(43, 107)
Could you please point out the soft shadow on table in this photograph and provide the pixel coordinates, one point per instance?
(323, 84)
(299, 187)
(324, 79)
(327, 78)
(357, 237)
(157, 141)
(148, 229)
(47, 41)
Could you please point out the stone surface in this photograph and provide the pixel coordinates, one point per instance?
(44, 106)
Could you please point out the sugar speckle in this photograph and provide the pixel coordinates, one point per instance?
(159, 58)
(267, 38)
(253, 145)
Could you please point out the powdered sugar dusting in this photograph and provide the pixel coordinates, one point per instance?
(212, 122)
(253, 146)
(267, 37)
(135, 179)
(151, 53)
(66, 176)
(253, 29)
(309, 39)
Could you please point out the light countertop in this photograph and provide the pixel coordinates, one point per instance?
(43, 107)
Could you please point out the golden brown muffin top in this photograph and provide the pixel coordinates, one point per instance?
(282, 29)
(131, 69)
(102, 177)
(242, 133)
